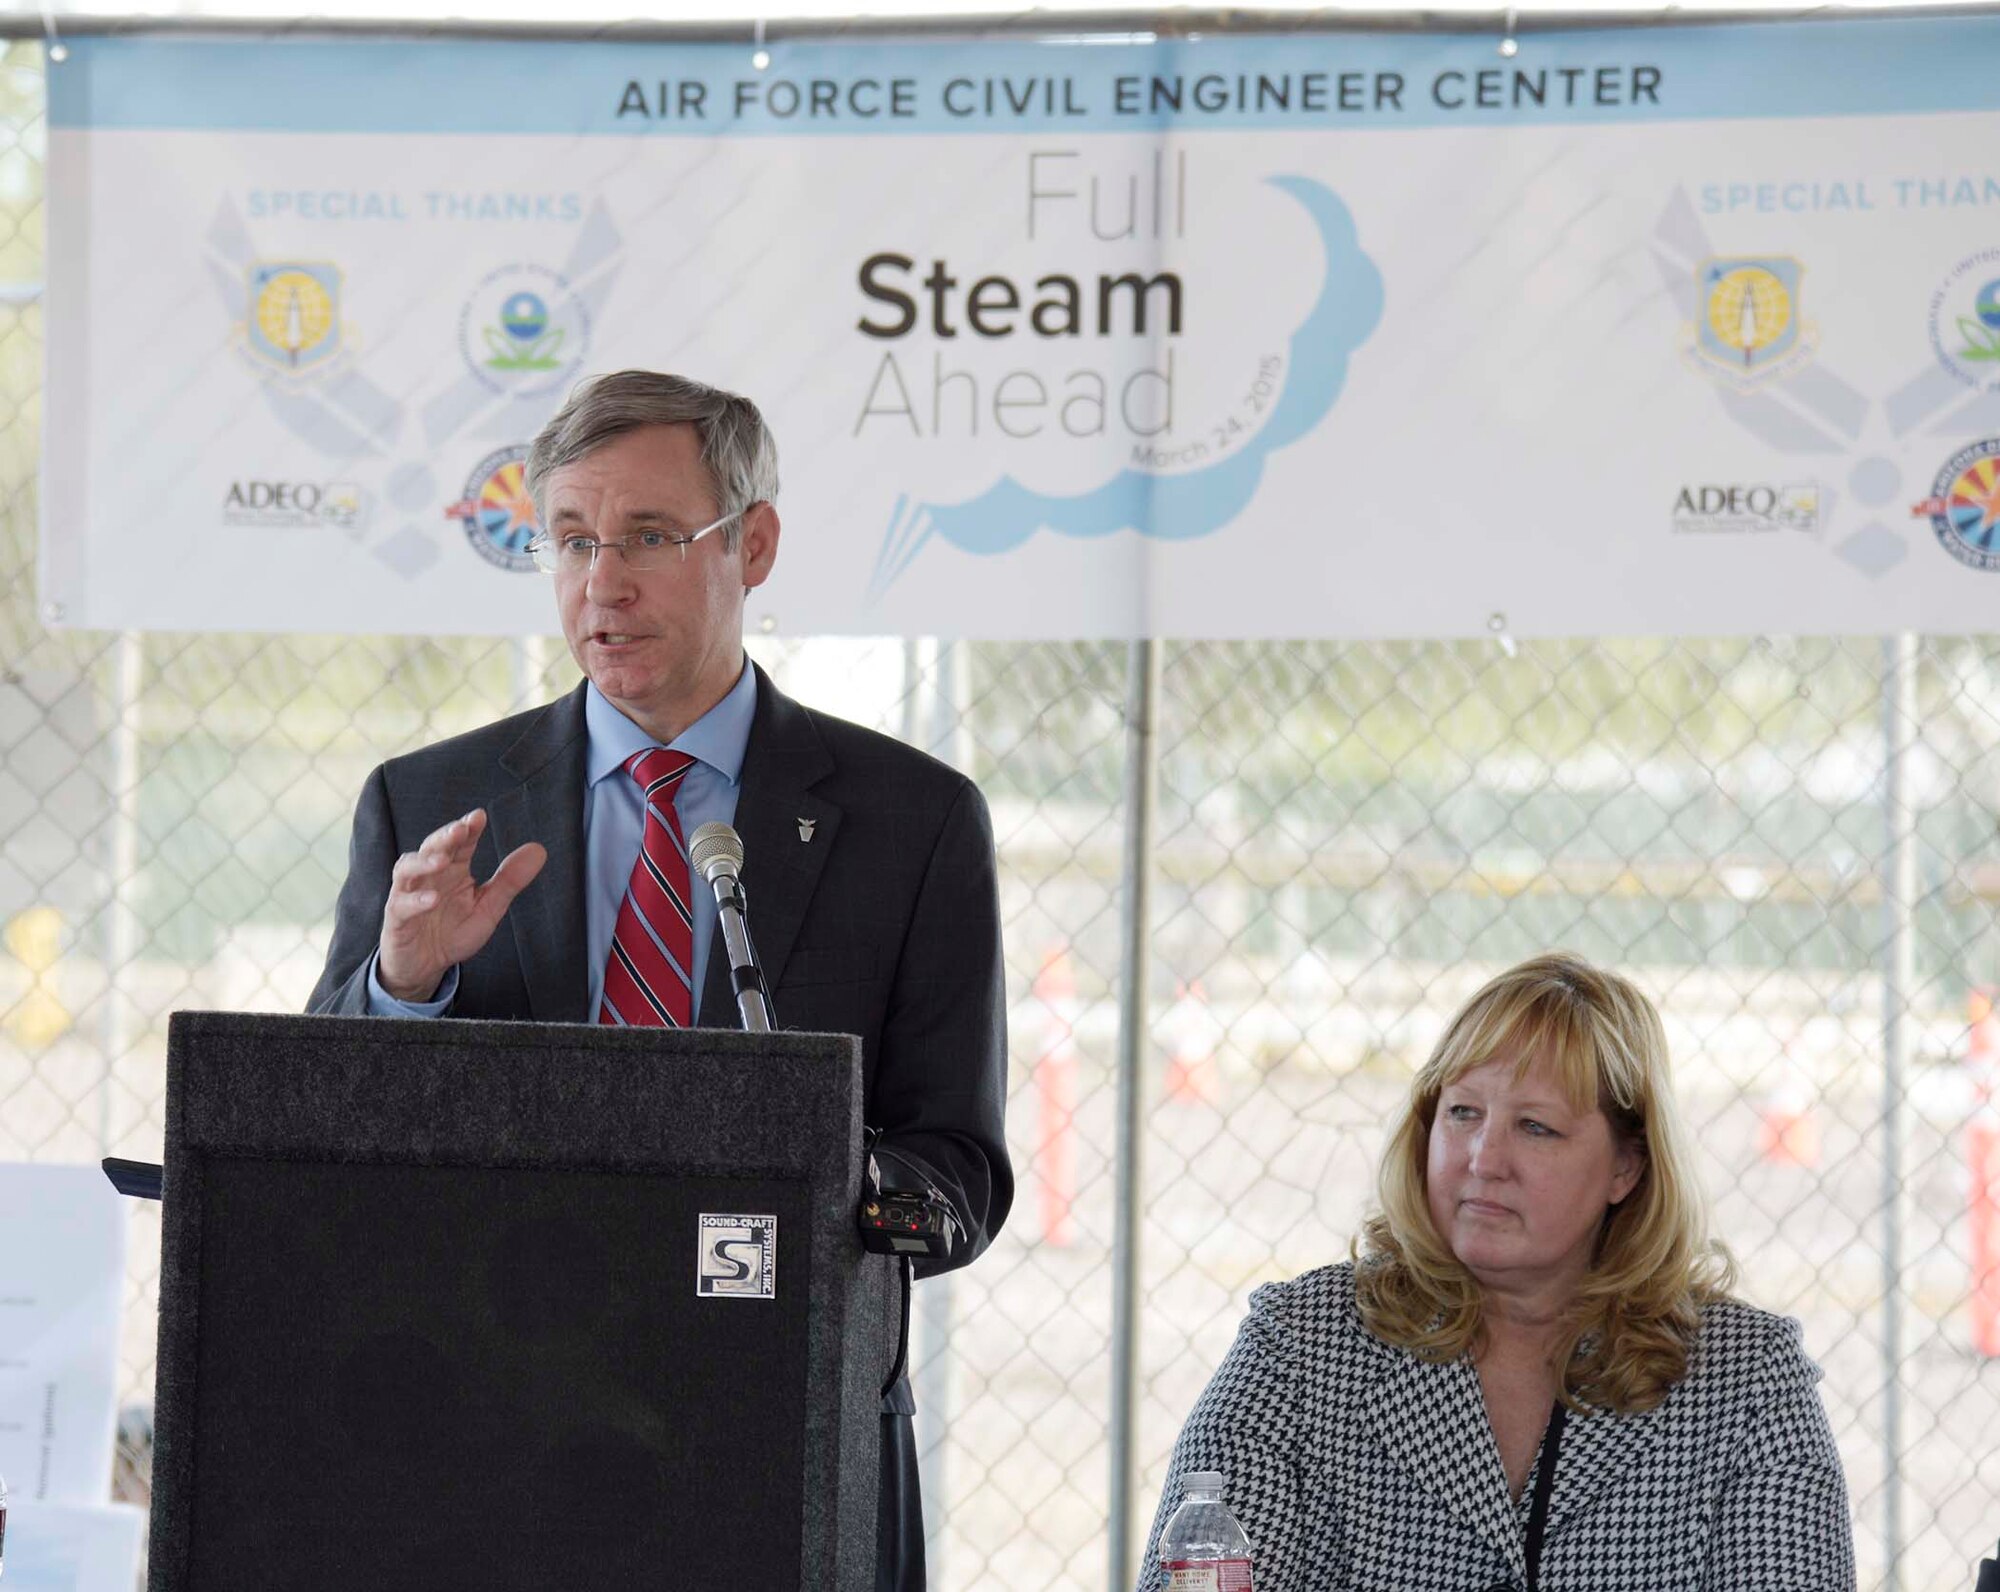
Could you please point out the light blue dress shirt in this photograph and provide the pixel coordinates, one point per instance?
(613, 815)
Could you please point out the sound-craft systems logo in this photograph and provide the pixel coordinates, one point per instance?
(1748, 327)
(1964, 505)
(1965, 321)
(523, 331)
(292, 321)
(496, 512)
(736, 1257)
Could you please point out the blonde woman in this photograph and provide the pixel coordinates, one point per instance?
(1532, 1376)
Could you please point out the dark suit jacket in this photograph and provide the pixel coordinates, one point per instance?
(884, 924)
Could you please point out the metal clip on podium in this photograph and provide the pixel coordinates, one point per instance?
(508, 1305)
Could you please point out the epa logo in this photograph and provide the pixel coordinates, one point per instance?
(736, 1257)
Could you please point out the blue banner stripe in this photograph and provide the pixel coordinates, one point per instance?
(1848, 66)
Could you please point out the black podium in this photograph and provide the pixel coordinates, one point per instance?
(514, 1306)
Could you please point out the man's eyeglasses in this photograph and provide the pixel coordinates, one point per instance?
(643, 550)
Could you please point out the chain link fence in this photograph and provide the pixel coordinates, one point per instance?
(1788, 842)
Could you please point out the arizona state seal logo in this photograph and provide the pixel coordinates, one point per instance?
(496, 513)
(1964, 505)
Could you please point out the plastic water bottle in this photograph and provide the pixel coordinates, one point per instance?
(1202, 1548)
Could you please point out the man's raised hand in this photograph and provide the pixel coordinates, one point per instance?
(437, 915)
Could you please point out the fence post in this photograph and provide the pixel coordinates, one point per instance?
(1899, 718)
(529, 656)
(122, 1025)
(934, 708)
(1142, 751)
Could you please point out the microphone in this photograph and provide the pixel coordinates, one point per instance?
(717, 855)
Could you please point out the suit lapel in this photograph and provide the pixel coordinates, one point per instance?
(1432, 1420)
(548, 919)
(1596, 1449)
(775, 812)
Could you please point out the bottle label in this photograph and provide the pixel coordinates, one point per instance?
(1204, 1575)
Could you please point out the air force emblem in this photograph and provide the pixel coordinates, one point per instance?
(292, 320)
(1748, 328)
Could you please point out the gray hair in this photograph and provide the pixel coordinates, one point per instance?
(737, 448)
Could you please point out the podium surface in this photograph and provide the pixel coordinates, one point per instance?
(510, 1305)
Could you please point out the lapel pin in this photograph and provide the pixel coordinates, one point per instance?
(806, 828)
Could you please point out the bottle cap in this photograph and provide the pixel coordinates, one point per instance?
(1203, 1481)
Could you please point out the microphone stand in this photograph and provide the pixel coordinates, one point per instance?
(746, 973)
(715, 852)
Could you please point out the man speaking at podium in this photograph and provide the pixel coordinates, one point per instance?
(869, 865)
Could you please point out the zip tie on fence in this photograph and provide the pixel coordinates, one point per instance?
(760, 58)
(52, 46)
(1509, 45)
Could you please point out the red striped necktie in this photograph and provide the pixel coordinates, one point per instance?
(648, 980)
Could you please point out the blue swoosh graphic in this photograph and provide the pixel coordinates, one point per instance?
(1200, 502)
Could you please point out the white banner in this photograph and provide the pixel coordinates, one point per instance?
(1694, 330)
(74, 1547)
(62, 1259)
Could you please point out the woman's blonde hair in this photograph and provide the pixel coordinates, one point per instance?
(1627, 1333)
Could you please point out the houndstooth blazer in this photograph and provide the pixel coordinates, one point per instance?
(1357, 1467)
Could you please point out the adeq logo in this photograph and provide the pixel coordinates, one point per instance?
(1722, 509)
(339, 504)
